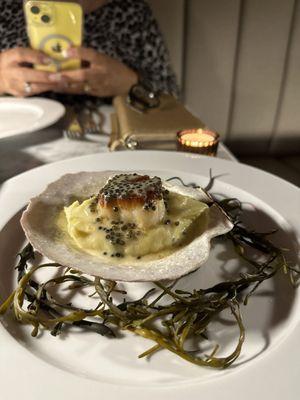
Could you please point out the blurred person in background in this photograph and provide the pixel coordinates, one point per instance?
(122, 45)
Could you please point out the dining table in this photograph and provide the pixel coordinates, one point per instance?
(21, 153)
(80, 362)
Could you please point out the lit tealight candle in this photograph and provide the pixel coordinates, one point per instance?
(203, 141)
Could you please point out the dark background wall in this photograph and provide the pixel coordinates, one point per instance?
(239, 65)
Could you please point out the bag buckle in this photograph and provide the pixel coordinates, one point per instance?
(143, 97)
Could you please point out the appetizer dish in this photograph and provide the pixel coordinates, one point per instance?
(124, 227)
(98, 228)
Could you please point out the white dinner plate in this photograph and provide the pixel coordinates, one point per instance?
(85, 365)
(19, 116)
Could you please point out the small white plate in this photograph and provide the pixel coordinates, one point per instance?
(19, 116)
(85, 365)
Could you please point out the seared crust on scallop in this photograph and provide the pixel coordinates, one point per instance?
(130, 190)
(133, 198)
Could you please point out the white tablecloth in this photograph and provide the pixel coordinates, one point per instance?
(21, 153)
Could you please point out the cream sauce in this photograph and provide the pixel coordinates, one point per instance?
(114, 240)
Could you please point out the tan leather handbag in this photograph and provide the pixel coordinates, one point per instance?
(154, 129)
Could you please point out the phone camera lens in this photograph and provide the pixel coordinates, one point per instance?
(46, 19)
(35, 10)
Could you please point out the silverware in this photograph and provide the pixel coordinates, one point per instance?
(91, 119)
(88, 122)
(73, 130)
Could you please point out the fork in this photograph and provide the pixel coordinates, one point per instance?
(92, 120)
(74, 129)
(87, 120)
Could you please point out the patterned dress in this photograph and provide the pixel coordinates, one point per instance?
(123, 29)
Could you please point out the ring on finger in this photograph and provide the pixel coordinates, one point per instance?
(87, 87)
(70, 85)
(27, 88)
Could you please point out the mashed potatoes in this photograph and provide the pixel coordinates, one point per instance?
(114, 237)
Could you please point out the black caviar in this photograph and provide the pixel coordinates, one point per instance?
(139, 188)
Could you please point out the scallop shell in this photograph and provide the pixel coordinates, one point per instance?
(38, 222)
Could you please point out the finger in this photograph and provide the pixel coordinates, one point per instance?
(82, 88)
(71, 88)
(83, 53)
(38, 88)
(31, 75)
(26, 55)
(78, 75)
(18, 89)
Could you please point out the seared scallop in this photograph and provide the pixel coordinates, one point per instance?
(133, 198)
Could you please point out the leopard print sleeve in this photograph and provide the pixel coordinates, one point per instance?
(12, 25)
(153, 60)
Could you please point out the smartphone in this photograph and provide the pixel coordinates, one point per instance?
(53, 27)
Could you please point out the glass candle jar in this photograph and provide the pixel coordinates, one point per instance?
(201, 141)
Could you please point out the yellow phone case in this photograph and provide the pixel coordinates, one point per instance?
(53, 27)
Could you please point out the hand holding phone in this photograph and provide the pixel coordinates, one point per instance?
(20, 80)
(53, 28)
